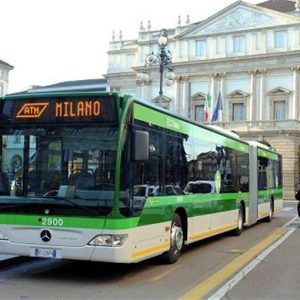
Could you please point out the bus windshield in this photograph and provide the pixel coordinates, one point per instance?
(58, 170)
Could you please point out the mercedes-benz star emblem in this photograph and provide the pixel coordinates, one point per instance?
(45, 236)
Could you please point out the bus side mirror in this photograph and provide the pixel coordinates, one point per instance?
(141, 145)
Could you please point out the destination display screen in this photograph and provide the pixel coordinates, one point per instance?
(59, 110)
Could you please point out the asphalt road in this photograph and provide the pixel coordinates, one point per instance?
(275, 277)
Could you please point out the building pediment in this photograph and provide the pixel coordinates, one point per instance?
(279, 91)
(198, 96)
(238, 94)
(161, 99)
(239, 16)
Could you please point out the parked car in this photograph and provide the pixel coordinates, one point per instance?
(174, 190)
(200, 187)
(142, 192)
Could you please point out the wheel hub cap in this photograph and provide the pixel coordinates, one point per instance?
(177, 237)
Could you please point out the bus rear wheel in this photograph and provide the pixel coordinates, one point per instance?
(176, 241)
(240, 223)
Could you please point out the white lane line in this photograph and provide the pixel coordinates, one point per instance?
(239, 276)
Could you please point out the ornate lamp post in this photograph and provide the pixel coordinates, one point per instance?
(164, 60)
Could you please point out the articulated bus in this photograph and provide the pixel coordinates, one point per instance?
(104, 177)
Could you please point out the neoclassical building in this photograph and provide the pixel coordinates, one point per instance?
(250, 54)
(4, 71)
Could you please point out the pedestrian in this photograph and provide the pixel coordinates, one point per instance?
(297, 197)
(4, 184)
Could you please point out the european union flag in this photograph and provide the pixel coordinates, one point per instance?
(217, 108)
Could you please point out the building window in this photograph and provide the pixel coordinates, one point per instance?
(238, 112)
(198, 101)
(238, 44)
(279, 110)
(130, 60)
(200, 48)
(280, 103)
(280, 39)
(199, 113)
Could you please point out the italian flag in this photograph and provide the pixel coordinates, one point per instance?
(207, 104)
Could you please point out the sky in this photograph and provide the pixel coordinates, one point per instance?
(50, 41)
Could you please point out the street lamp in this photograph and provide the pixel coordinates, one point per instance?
(164, 60)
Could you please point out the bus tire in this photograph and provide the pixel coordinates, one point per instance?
(240, 223)
(271, 212)
(176, 241)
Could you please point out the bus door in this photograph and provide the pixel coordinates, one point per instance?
(253, 199)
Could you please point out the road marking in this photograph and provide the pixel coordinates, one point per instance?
(288, 208)
(206, 286)
(158, 277)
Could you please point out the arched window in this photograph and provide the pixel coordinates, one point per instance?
(198, 101)
(238, 105)
(279, 103)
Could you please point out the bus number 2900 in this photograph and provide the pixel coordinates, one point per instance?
(52, 222)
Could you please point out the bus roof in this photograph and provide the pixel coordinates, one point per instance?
(34, 94)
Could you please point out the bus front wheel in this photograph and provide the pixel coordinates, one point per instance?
(176, 241)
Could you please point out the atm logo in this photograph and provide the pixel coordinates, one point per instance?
(31, 110)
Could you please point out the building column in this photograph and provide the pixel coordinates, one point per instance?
(262, 96)
(177, 96)
(295, 100)
(185, 97)
(252, 101)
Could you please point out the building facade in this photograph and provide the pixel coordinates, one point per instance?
(5, 68)
(249, 54)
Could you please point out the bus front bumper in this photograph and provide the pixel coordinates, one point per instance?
(88, 252)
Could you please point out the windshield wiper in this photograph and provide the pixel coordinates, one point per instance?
(74, 204)
(13, 206)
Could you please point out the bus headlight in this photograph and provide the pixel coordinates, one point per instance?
(2, 236)
(108, 240)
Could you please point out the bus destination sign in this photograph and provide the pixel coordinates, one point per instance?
(62, 110)
(79, 109)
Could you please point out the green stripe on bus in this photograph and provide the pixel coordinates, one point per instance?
(157, 209)
(267, 154)
(269, 193)
(68, 222)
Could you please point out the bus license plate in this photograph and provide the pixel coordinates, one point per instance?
(48, 253)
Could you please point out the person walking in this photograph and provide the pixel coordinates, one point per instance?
(297, 197)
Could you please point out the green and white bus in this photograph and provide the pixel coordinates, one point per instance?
(104, 177)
